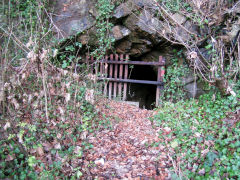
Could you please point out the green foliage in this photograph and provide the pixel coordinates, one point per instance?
(22, 10)
(200, 141)
(26, 13)
(75, 117)
(173, 79)
(13, 163)
(177, 5)
(24, 20)
(182, 7)
(68, 55)
(105, 9)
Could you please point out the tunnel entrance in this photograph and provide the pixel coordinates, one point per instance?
(127, 80)
(145, 94)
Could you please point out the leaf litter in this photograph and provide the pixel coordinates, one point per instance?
(128, 150)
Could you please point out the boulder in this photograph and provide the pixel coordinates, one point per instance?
(123, 10)
(123, 47)
(193, 91)
(78, 25)
(148, 23)
(72, 17)
(132, 48)
(84, 39)
(205, 53)
(235, 29)
(139, 49)
(192, 86)
(153, 56)
(145, 22)
(179, 18)
(89, 37)
(119, 32)
(145, 26)
(150, 5)
(131, 6)
(182, 35)
(134, 45)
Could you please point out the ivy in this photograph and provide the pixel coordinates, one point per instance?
(173, 79)
(104, 26)
(199, 141)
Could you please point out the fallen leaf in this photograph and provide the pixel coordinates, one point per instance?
(99, 161)
(9, 157)
(40, 151)
(57, 146)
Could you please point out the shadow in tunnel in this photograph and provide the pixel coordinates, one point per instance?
(145, 94)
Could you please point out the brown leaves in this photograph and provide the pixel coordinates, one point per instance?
(125, 151)
(90, 96)
(40, 151)
(10, 157)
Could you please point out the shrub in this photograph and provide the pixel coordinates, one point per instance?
(202, 144)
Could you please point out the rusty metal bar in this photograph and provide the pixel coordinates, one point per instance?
(129, 62)
(120, 76)
(96, 68)
(125, 77)
(115, 76)
(132, 81)
(159, 79)
(110, 76)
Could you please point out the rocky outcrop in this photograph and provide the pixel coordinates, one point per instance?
(145, 25)
(192, 86)
(133, 46)
(136, 35)
(72, 17)
(123, 10)
(234, 30)
(137, 25)
(119, 32)
(138, 30)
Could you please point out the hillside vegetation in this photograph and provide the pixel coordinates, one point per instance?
(56, 124)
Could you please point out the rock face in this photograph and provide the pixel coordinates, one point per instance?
(235, 30)
(119, 32)
(72, 17)
(146, 26)
(192, 86)
(135, 35)
(123, 10)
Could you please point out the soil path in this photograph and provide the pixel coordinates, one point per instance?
(128, 150)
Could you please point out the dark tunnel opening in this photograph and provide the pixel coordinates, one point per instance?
(145, 94)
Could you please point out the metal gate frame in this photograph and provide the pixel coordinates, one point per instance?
(113, 70)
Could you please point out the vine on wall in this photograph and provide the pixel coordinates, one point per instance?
(104, 26)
